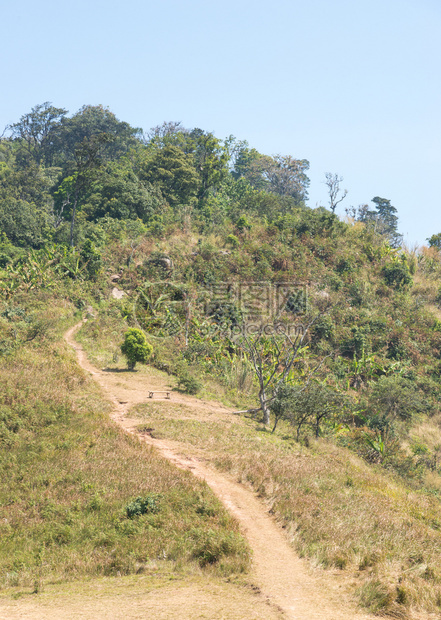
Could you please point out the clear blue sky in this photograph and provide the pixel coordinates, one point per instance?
(351, 85)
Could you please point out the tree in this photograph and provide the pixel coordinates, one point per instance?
(166, 133)
(287, 176)
(85, 126)
(435, 241)
(387, 220)
(22, 222)
(396, 398)
(333, 184)
(25, 206)
(310, 403)
(383, 220)
(272, 359)
(281, 174)
(87, 159)
(211, 158)
(135, 347)
(117, 192)
(36, 131)
(244, 161)
(174, 172)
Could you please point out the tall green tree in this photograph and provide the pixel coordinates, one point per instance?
(84, 127)
(387, 220)
(87, 159)
(25, 204)
(173, 172)
(36, 132)
(119, 193)
(383, 219)
(435, 241)
(211, 158)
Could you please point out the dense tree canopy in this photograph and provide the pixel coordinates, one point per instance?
(281, 174)
(36, 132)
(55, 166)
(173, 172)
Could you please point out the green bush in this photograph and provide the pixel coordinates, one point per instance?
(135, 347)
(189, 384)
(143, 505)
(397, 275)
(396, 397)
(243, 224)
(91, 258)
(324, 328)
(186, 381)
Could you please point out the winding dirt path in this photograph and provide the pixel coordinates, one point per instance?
(280, 575)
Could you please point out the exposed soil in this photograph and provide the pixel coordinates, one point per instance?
(285, 581)
(136, 597)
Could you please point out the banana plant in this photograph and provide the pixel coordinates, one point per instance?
(363, 369)
(375, 443)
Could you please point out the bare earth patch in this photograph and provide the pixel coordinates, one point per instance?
(159, 596)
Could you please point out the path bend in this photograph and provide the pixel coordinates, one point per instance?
(276, 569)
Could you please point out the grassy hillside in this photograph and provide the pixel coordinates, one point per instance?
(70, 478)
(365, 497)
(169, 234)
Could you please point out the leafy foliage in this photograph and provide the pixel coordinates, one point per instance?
(309, 405)
(135, 347)
(143, 505)
(397, 274)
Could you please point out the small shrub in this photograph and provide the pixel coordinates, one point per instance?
(197, 351)
(242, 224)
(91, 259)
(345, 265)
(324, 329)
(135, 347)
(188, 383)
(143, 505)
(397, 275)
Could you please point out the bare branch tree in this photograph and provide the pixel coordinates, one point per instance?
(168, 128)
(333, 184)
(272, 359)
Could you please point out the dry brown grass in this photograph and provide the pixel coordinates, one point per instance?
(68, 473)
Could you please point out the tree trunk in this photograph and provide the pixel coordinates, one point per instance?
(264, 407)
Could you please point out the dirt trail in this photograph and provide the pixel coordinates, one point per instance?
(281, 576)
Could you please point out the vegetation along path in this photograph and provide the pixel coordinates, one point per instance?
(281, 576)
